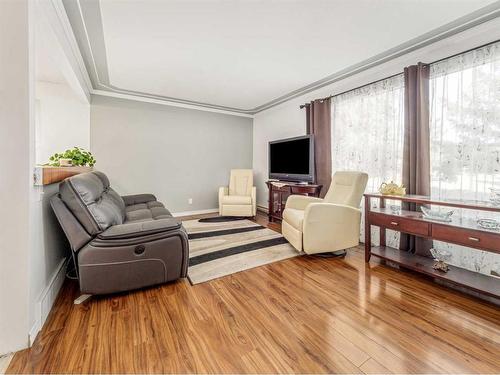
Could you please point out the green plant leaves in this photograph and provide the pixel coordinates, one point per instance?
(78, 155)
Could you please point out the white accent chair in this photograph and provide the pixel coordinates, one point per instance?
(239, 198)
(316, 225)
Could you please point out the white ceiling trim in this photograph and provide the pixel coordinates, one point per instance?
(56, 14)
(114, 94)
(464, 23)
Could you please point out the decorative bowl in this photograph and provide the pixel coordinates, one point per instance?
(391, 188)
(395, 209)
(488, 224)
(439, 215)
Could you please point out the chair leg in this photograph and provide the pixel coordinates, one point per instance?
(332, 254)
(82, 299)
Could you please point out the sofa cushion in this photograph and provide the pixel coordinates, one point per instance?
(236, 199)
(294, 217)
(153, 210)
(92, 201)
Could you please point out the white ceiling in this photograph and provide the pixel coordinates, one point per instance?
(243, 54)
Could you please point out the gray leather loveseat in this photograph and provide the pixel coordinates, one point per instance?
(119, 243)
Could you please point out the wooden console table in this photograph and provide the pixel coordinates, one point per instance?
(278, 195)
(460, 231)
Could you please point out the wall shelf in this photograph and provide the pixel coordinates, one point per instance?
(46, 175)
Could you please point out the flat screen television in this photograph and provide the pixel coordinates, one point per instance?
(292, 159)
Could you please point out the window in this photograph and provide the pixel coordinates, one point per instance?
(367, 135)
(465, 136)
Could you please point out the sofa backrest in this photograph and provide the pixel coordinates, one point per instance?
(241, 182)
(92, 201)
(347, 188)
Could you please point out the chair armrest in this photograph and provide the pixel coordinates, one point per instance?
(330, 227)
(223, 191)
(300, 202)
(139, 229)
(138, 198)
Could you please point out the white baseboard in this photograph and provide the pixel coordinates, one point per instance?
(262, 209)
(198, 212)
(47, 298)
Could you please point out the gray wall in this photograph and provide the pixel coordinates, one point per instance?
(175, 153)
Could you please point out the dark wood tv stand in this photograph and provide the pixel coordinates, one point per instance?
(279, 194)
(460, 231)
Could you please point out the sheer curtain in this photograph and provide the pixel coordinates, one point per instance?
(367, 135)
(465, 138)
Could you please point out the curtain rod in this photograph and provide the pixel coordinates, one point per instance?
(395, 75)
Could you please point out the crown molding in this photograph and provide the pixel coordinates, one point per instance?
(461, 24)
(113, 94)
(56, 15)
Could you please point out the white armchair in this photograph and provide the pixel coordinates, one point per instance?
(316, 225)
(240, 197)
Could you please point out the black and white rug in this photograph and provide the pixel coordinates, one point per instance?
(221, 248)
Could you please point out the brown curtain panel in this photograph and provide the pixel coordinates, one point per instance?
(318, 123)
(416, 150)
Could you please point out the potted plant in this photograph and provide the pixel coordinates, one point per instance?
(75, 157)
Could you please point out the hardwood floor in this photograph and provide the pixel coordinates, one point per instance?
(301, 315)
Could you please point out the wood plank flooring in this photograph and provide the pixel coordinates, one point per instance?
(301, 315)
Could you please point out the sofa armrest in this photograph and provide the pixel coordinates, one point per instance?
(137, 199)
(139, 229)
(300, 202)
(330, 227)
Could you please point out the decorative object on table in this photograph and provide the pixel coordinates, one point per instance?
(391, 188)
(495, 196)
(491, 224)
(395, 209)
(438, 215)
(441, 257)
(78, 157)
(63, 162)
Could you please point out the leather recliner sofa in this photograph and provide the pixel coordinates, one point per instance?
(119, 243)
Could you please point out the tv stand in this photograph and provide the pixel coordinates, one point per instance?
(279, 191)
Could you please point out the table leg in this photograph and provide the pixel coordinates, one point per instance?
(368, 235)
(382, 230)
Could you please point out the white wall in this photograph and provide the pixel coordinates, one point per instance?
(62, 119)
(288, 120)
(174, 153)
(15, 175)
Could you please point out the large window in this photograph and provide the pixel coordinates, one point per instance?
(465, 137)
(367, 134)
(465, 124)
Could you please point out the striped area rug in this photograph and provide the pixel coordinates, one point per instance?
(219, 249)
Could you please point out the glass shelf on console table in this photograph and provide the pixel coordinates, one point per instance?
(461, 231)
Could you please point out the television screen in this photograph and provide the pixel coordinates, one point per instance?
(290, 159)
